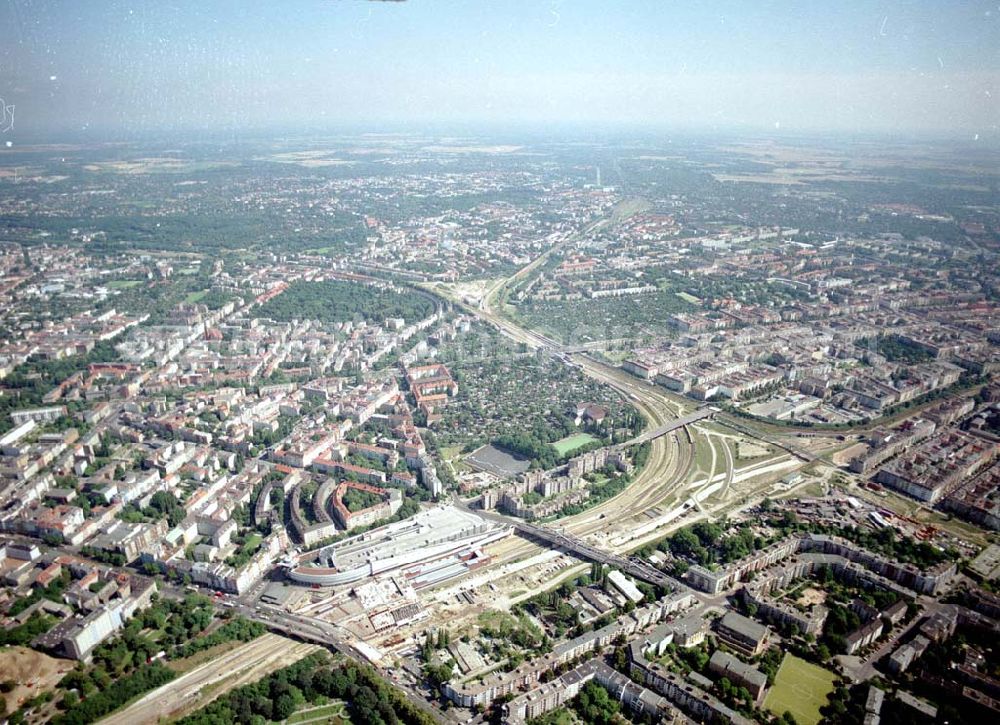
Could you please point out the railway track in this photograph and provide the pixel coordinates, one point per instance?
(671, 454)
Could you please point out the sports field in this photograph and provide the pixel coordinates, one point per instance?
(800, 688)
(571, 443)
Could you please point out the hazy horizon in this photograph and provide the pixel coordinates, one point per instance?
(118, 69)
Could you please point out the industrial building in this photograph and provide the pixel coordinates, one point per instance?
(432, 546)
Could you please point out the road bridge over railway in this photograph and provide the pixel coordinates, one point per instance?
(632, 566)
(700, 414)
(325, 634)
(303, 628)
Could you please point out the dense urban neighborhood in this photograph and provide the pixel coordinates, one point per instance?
(393, 430)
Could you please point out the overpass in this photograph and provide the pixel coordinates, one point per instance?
(307, 629)
(700, 414)
(298, 627)
(633, 566)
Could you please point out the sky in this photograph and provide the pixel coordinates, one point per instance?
(123, 68)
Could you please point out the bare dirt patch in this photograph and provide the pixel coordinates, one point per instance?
(810, 596)
(33, 672)
(751, 449)
(841, 458)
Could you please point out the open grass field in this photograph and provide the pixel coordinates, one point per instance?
(452, 456)
(571, 443)
(123, 283)
(800, 688)
(252, 542)
(703, 456)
